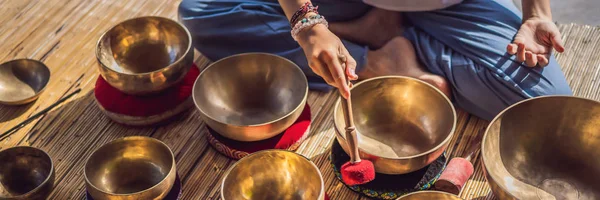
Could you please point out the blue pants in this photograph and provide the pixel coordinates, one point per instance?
(465, 43)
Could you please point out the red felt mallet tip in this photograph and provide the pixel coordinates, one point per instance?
(358, 173)
(455, 176)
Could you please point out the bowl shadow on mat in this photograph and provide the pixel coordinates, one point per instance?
(11, 112)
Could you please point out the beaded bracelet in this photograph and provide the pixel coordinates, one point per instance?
(308, 23)
(303, 10)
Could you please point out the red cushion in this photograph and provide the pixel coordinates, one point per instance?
(290, 139)
(115, 101)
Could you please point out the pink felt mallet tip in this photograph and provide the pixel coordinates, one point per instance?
(452, 180)
(358, 173)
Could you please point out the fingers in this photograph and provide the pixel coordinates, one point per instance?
(557, 42)
(542, 60)
(335, 68)
(531, 59)
(350, 64)
(512, 49)
(521, 52)
(320, 69)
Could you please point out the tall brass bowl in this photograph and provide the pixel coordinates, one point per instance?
(273, 174)
(132, 167)
(429, 195)
(145, 55)
(403, 124)
(544, 148)
(252, 96)
(26, 173)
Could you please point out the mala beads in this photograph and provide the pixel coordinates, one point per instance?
(302, 11)
(308, 23)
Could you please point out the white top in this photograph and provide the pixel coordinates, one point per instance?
(411, 5)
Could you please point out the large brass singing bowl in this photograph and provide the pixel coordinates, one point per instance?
(273, 174)
(544, 148)
(403, 124)
(429, 195)
(26, 173)
(145, 55)
(133, 167)
(22, 81)
(251, 97)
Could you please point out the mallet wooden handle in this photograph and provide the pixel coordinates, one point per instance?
(351, 135)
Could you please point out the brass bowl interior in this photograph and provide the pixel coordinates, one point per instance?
(250, 89)
(21, 80)
(23, 170)
(429, 195)
(143, 45)
(129, 165)
(398, 117)
(273, 174)
(545, 148)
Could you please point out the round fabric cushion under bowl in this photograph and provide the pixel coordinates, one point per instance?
(145, 110)
(390, 186)
(290, 139)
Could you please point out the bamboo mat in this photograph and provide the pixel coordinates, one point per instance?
(63, 33)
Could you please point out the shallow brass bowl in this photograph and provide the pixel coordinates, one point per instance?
(544, 148)
(273, 174)
(251, 97)
(403, 124)
(22, 81)
(132, 167)
(429, 195)
(25, 173)
(145, 55)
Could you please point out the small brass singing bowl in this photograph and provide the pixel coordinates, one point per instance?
(544, 148)
(25, 173)
(22, 81)
(273, 174)
(429, 195)
(145, 55)
(403, 124)
(252, 96)
(132, 167)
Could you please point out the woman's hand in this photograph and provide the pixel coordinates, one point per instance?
(323, 50)
(534, 41)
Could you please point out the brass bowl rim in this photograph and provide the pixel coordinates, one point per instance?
(427, 191)
(226, 174)
(37, 93)
(501, 114)
(124, 139)
(43, 182)
(301, 105)
(188, 49)
(443, 143)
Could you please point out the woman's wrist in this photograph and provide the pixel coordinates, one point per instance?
(536, 9)
(303, 37)
(308, 23)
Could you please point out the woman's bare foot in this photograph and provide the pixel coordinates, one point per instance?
(374, 29)
(398, 57)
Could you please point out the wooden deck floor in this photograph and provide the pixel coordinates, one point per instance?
(63, 33)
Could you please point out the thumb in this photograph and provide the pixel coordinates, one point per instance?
(557, 41)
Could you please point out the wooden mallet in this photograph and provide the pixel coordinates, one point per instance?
(459, 169)
(356, 171)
